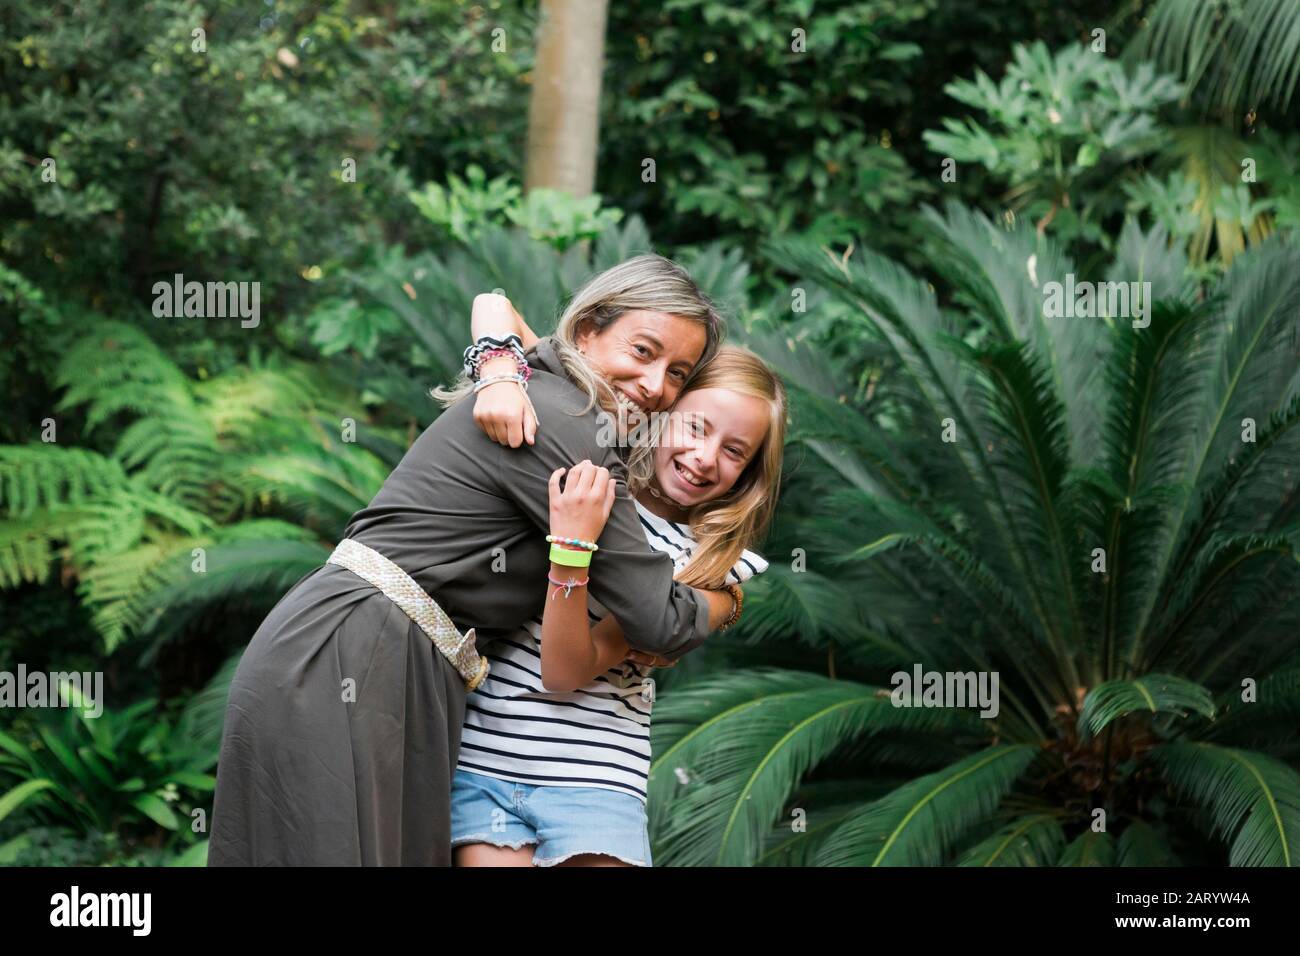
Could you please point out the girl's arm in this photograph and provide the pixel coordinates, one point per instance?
(571, 655)
(633, 581)
(502, 410)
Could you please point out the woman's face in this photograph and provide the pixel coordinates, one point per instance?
(713, 435)
(645, 356)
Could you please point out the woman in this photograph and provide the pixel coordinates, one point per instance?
(555, 753)
(343, 723)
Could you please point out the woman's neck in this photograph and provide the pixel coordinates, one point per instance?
(656, 502)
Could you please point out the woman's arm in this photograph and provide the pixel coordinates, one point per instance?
(502, 410)
(633, 581)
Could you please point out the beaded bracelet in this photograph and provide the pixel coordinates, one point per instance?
(738, 599)
(521, 366)
(566, 586)
(576, 542)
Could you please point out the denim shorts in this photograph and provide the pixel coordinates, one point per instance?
(560, 821)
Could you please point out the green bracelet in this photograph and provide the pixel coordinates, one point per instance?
(572, 559)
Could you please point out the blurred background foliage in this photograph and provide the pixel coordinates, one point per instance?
(876, 214)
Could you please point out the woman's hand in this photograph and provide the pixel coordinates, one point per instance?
(581, 509)
(503, 410)
(648, 660)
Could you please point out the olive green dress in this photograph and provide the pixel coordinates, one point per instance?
(343, 725)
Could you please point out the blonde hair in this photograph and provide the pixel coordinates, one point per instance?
(726, 526)
(649, 282)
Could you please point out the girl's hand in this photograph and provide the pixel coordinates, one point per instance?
(503, 410)
(582, 508)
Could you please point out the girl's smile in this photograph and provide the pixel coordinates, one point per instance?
(714, 436)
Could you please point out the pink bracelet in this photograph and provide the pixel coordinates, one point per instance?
(524, 368)
(567, 586)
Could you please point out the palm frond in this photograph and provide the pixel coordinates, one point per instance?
(1235, 56)
(1272, 715)
(1143, 845)
(1256, 319)
(1089, 848)
(918, 824)
(1151, 693)
(1034, 840)
(1253, 799)
(731, 749)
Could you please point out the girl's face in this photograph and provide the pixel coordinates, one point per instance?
(646, 356)
(713, 435)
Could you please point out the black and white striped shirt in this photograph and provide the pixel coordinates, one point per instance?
(596, 736)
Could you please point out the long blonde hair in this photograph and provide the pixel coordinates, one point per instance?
(726, 526)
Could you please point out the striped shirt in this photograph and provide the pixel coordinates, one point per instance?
(596, 736)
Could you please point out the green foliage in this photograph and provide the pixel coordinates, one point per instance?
(129, 771)
(1060, 124)
(1233, 56)
(980, 554)
(1154, 693)
(465, 206)
(228, 160)
(188, 509)
(748, 133)
(199, 471)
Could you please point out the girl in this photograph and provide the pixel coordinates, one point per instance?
(344, 718)
(555, 749)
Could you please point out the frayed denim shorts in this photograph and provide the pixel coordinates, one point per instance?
(560, 822)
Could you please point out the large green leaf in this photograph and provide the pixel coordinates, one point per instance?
(919, 824)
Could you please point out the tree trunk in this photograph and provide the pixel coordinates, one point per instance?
(564, 112)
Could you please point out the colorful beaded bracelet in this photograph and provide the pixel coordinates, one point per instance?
(521, 366)
(576, 542)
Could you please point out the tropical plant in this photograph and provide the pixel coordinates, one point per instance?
(1061, 124)
(464, 207)
(1234, 57)
(125, 771)
(1238, 64)
(225, 490)
(1104, 513)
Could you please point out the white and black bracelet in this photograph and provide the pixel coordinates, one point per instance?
(473, 357)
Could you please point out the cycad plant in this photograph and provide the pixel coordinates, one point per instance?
(1103, 511)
